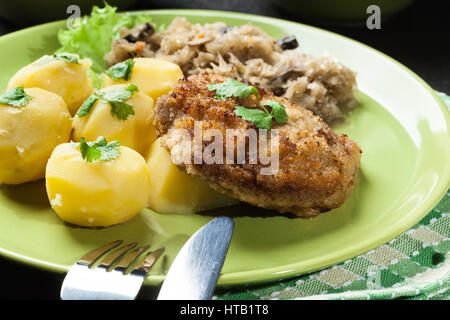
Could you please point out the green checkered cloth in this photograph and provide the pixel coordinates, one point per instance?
(413, 266)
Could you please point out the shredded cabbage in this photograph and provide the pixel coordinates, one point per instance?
(92, 35)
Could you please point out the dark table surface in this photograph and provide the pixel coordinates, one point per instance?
(418, 37)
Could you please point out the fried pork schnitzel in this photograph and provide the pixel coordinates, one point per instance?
(317, 167)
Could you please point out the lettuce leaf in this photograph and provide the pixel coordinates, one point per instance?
(92, 35)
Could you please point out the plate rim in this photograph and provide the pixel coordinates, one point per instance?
(278, 273)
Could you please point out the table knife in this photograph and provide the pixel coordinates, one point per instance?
(195, 270)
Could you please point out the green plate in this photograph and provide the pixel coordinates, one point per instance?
(401, 125)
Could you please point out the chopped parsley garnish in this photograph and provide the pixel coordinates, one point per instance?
(261, 118)
(232, 88)
(98, 150)
(115, 98)
(15, 97)
(121, 70)
(68, 57)
(278, 112)
(87, 105)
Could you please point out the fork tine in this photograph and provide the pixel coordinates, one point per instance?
(148, 262)
(113, 258)
(93, 256)
(130, 258)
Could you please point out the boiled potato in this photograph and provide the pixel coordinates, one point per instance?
(28, 135)
(173, 191)
(99, 193)
(69, 80)
(155, 77)
(136, 132)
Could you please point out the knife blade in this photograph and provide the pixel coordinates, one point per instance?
(195, 270)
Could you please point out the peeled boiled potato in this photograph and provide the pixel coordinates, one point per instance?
(155, 77)
(136, 132)
(28, 135)
(173, 191)
(99, 193)
(69, 80)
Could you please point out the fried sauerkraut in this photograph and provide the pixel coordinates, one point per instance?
(246, 53)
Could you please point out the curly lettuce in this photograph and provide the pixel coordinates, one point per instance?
(92, 35)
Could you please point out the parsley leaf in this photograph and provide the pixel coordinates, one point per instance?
(115, 98)
(121, 70)
(119, 95)
(68, 57)
(260, 118)
(15, 97)
(232, 88)
(278, 111)
(121, 110)
(87, 105)
(98, 150)
(88, 152)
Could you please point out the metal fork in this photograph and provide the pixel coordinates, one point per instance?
(118, 276)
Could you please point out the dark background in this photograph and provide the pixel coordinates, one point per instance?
(418, 37)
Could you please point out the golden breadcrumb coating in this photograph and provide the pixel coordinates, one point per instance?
(317, 167)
